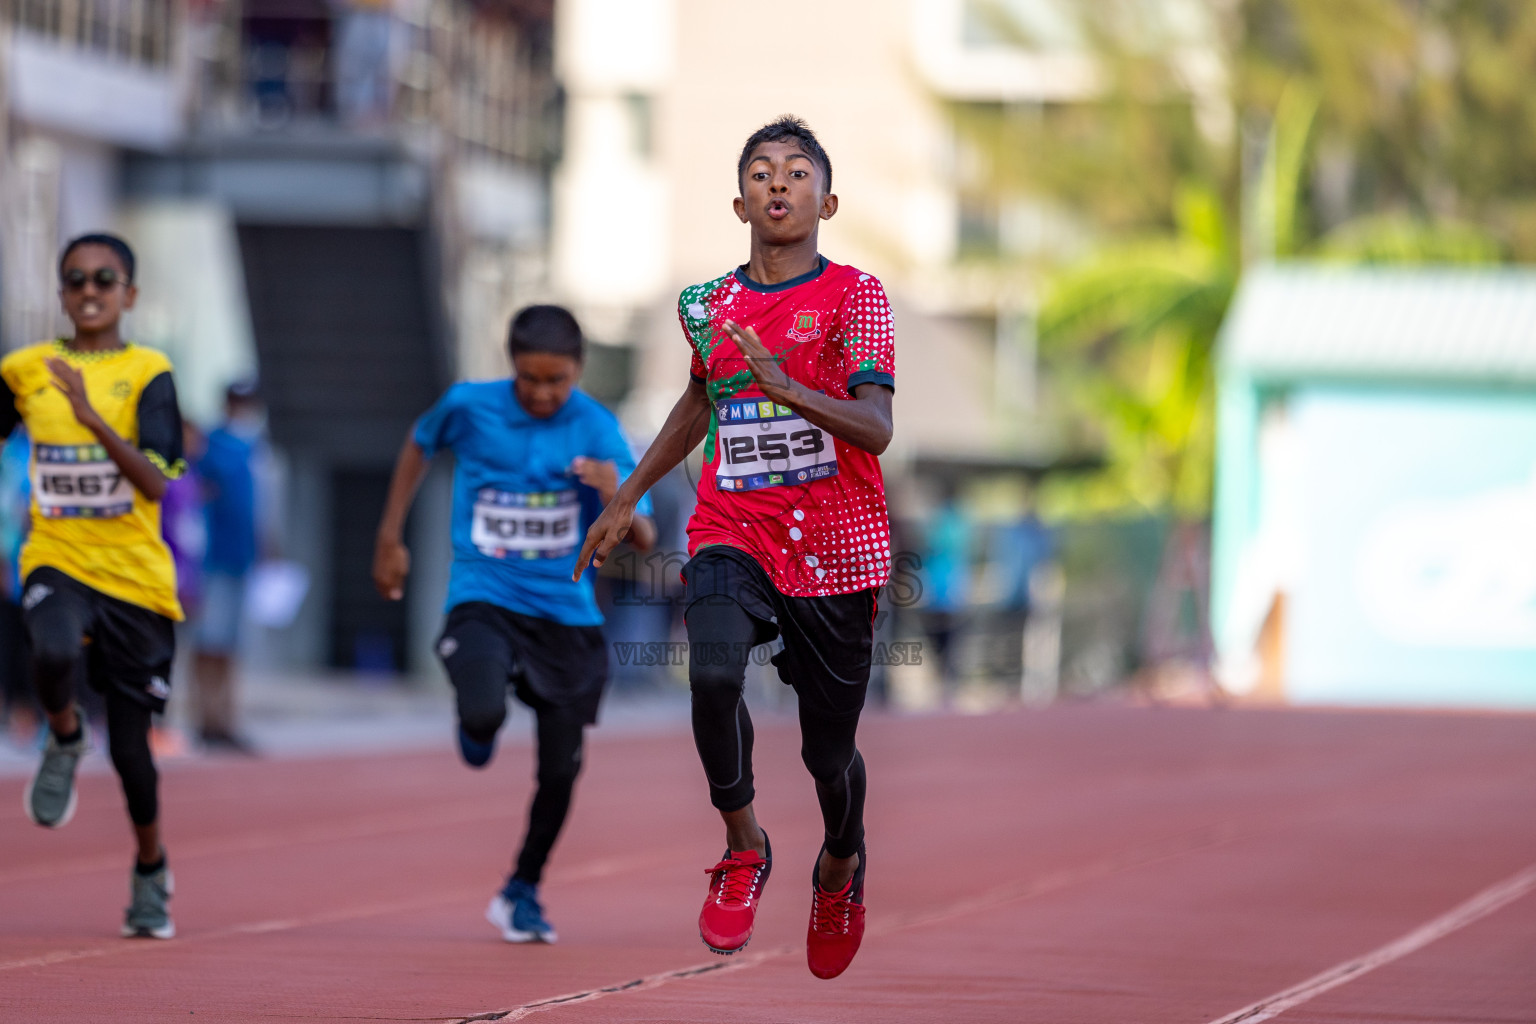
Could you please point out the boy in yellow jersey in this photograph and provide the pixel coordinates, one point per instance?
(98, 581)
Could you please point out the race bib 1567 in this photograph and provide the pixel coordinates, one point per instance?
(763, 444)
(78, 481)
(510, 524)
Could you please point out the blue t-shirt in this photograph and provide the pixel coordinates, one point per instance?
(15, 502)
(519, 514)
(230, 483)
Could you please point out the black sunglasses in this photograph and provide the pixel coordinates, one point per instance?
(104, 277)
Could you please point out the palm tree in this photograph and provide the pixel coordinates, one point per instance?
(1130, 334)
(1130, 331)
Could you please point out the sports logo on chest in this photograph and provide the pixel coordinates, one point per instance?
(805, 326)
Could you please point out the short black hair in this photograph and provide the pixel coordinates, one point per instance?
(786, 129)
(549, 329)
(117, 245)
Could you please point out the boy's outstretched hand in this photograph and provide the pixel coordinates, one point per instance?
(71, 384)
(610, 529)
(391, 565)
(770, 376)
(602, 475)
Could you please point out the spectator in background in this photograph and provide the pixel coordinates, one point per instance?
(20, 703)
(364, 70)
(228, 472)
(1015, 549)
(947, 566)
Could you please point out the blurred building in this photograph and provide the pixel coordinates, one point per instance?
(344, 196)
(660, 96)
(81, 82)
(1376, 494)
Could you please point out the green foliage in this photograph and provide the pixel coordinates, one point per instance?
(1426, 109)
(1277, 205)
(1399, 238)
(1129, 334)
(1391, 131)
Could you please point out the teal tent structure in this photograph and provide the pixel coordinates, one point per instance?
(1375, 510)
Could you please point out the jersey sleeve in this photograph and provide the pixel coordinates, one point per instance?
(696, 368)
(160, 426)
(868, 335)
(437, 427)
(10, 416)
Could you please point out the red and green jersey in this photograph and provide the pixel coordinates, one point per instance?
(807, 506)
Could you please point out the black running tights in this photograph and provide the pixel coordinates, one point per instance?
(55, 632)
(721, 635)
(482, 699)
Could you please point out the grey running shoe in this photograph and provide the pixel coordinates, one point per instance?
(51, 797)
(148, 917)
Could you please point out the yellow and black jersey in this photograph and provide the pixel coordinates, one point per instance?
(88, 521)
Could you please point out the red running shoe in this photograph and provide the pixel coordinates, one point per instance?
(735, 886)
(837, 923)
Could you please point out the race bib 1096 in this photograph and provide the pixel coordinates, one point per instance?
(509, 524)
(763, 444)
(78, 481)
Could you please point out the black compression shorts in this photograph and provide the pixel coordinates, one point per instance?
(827, 640)
(129, 648)
(549, 664)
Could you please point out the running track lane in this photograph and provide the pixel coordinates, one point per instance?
(1095, 864)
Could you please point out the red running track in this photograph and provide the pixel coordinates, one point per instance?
(1096, 864)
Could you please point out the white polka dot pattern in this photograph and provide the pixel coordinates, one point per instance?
(828, 535)
(868, 330)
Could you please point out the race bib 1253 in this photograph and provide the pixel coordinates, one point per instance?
(511, 524)
(78, 481)
(763, 444)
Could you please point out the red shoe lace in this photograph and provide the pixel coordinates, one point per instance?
(738, 881)
(830, 911)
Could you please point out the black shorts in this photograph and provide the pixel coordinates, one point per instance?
(828, 641)
(548, 664)
(129, 648)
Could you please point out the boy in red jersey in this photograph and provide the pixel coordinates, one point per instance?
(791, 389)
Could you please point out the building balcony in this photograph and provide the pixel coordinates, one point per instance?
(441, 73)
(109, 70)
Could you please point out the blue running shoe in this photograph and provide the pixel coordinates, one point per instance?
(516, 913)
(475, 753)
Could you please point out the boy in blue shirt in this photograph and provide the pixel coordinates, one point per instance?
(536, 461)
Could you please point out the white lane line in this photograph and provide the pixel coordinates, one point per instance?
(588, 871)
(721, 965)
(1156, 852)
(1479, 906)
